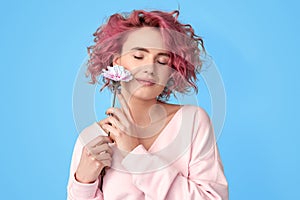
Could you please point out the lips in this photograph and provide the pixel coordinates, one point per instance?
(146, 82)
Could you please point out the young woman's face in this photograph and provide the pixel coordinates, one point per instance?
(143, 54)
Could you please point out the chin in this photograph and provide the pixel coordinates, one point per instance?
(146, 93)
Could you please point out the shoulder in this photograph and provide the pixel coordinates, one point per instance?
(202, 127)
(192, 112)
(197, 118)
(196, 112)
(191, 109)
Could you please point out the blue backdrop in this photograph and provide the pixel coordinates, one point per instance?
(254, 43)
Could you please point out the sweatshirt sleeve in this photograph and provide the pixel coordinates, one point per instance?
(205, 179)
(75, 189)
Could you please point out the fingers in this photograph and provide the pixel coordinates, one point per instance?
(104, 159)
(113, 121)
(99, 149)
(114, 132)
(116, 112)
(103, 156)
(98, 146)
(99, 140)
(106, 163)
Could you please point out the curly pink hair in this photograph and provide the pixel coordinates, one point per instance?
(185, 46)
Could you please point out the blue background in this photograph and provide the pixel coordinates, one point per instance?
(254, 43)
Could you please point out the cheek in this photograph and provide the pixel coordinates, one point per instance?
(164, 76)
(128, 63)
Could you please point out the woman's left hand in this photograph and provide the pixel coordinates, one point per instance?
(121, 126)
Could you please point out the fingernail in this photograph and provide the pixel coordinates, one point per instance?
(88, 153)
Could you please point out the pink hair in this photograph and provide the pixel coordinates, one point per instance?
(185, 55)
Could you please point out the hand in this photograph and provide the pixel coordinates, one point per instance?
(121, 126)
(95, 156)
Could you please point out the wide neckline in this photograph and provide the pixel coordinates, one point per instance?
(162, 133)
(150, 149)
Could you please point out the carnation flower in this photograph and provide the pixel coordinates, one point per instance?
(116, 74)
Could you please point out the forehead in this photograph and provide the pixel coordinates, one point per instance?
(146, 37)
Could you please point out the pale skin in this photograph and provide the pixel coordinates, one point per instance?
(140, 113)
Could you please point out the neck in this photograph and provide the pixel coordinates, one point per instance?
(143, 111)
(141, 106)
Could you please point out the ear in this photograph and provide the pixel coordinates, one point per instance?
(116, 60)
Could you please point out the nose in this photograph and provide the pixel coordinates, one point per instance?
(149, 65)
(149, 69)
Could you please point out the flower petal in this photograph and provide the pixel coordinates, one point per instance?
(117, 73)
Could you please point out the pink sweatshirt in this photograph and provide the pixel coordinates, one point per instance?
(182, 163)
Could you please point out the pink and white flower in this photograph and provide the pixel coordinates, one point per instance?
(117, 73)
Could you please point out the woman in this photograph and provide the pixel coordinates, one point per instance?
(148, 148)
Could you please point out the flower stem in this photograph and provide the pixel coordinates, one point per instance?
(114, 99)
(115, 87)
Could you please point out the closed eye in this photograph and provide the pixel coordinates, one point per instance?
(162, 63)
(138, 57)
(163, 60)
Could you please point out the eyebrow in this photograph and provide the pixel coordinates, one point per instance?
(147, 51)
